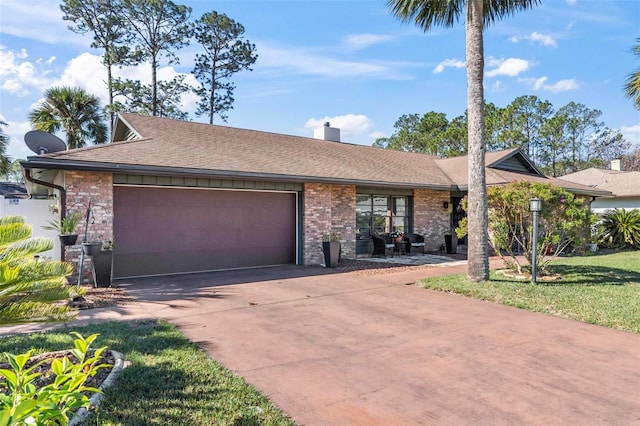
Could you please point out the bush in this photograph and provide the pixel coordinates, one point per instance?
(564, 222)
(621, 229)
(22, 403)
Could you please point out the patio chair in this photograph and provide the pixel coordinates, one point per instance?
(382, 245)
(415, 243)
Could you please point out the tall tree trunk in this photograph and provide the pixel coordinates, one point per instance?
(154, 87)
(111, 113)
(212, 98)
(478, 253)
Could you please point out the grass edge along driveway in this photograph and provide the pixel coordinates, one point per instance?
(170, 381)
(602, 289)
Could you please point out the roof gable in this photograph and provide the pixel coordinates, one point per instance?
(513, 160)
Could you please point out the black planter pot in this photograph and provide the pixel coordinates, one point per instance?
(451, 243)
(331, 251)
(68, 240)
(102, 261)
(90, 249)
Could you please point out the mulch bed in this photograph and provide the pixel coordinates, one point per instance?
(100, 297)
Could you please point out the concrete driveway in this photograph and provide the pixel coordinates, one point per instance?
(352, 349)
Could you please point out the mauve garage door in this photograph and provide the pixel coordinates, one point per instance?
(169, 230)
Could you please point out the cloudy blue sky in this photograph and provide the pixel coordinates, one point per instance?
(351, 63)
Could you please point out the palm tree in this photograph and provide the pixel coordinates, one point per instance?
(73, 110)
(632, 86)
(478, 14)
(30, 290)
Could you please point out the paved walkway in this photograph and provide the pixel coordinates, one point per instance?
(350, 349)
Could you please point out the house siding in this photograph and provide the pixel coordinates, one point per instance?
(82, 187)
(328, 208)
(430, 218)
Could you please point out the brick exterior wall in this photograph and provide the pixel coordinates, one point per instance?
(430, 218)
(328, 208)
(82, 187)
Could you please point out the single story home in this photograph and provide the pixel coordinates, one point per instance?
(178, 196)
(625, 186)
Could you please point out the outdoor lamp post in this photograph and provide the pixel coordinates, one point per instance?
(535, 205)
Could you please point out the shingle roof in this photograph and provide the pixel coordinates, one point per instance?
(456, 169)
(173, 146)
(623, 184)
(196, 146)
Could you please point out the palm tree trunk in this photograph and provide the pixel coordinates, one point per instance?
(478, 253)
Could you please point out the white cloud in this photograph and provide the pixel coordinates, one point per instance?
(301, 61)
(452, 63)
(572, 2)
(377, 135)
(16, 130)
(85, 71)
(544, 39)
(557, 87)
(632, 133)
(510, 67)
(497, 86)
(361, 41)
(88, 72)
(562, 86)
(349, 124)
(19, 76)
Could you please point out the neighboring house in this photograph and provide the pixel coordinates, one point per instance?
(624, 185)
(179, 196)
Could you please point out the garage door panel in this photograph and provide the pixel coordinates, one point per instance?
(170, 230)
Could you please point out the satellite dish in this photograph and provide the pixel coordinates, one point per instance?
(43, 142)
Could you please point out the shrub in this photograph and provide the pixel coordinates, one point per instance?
(621, 228)
(23, 403)
(564, 222)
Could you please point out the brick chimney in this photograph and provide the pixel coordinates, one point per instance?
(327, 133)
(616, 164)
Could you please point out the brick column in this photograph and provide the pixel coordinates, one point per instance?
(82, 187)
(430, 218)
(328, 208)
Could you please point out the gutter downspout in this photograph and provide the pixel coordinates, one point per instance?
(63, 198)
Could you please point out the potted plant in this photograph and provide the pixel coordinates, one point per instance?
(451, 242)
(102, 261)
(66, 228)
(331, 248)
(90, 248)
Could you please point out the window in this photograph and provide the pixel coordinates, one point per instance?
(380, 214)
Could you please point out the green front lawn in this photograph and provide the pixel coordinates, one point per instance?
(170, 381)
(600, 289)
